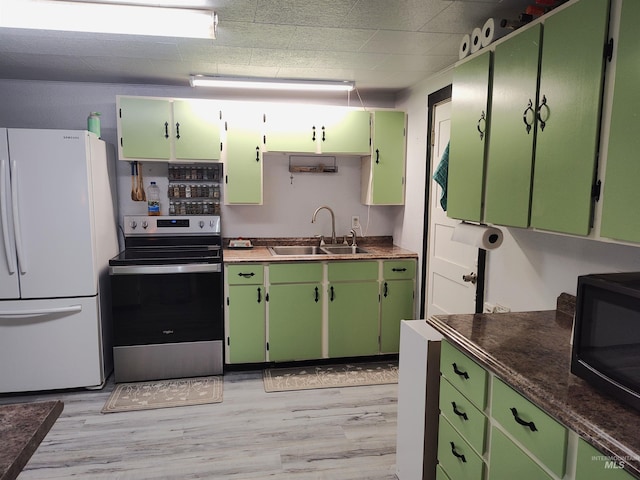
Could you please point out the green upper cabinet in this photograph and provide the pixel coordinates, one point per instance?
(383, 171)
(317, 129)
(145, 128)
(571, 79)
(469, 131)
(620, 218)
(242, 155)
(196, 129)
(513, 131)
(161, 129)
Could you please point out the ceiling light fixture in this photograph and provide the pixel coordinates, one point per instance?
(73, 16)
(272, 84)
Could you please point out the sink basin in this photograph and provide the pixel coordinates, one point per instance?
(296, 250)
(343, 249)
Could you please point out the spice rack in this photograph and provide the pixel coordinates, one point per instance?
(194, 189)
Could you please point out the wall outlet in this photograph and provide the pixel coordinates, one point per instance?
(355, 222)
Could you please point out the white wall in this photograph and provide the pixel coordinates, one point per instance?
(288, 205)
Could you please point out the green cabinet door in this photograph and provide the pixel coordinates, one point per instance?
(295, 322)
(353, 319)
(513, 132)
(507, 461)
(469, 131)
(243, 158)
(292, 128)
(388, 158)
(571, 79)
(592, 464)
(346, 132)
(145, 128)
(620, 220)
(246, 342)
(396, 304)
(196, 130)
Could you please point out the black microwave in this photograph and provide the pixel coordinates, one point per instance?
(606, 334)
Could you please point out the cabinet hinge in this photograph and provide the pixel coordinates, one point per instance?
(121, 142)
(266, 297)
(267, 346)
(228, 341)
(227, 301)
(595, 190)
(608, 50)
(120, 112)
(226, 179)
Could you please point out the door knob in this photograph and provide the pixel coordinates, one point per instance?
(472, 277)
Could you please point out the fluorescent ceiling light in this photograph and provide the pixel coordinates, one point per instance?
(271, 84)
(108, 18)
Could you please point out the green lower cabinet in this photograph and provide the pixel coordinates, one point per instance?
(508, 462)
(463, 416)
(246, 336)
(440, 474)
(595, 465)
(396, 304)
(455, 456)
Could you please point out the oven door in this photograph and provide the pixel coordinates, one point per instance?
(158, 304)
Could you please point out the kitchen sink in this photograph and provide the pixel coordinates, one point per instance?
(343, 249)
(296, 250)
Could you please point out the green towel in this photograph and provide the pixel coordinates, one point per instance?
(440, 176)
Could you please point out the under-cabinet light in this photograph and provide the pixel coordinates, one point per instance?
(271, 84)
(108, 18)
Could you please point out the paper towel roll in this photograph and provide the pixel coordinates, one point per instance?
(491, 31)
(480, 236)
(465, 46)
(476, 40)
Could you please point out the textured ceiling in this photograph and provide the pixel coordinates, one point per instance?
(383, 45)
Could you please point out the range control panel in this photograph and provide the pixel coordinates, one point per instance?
(143, 225)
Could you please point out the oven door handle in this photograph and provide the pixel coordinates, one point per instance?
(163, 269)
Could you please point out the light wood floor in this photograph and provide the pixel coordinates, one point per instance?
(328, 434)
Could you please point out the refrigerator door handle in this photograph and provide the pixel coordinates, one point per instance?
(4, 215)
(38, 312)
(22, 261)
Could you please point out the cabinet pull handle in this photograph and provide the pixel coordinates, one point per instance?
(386, 289)
(377, 155)
(166, 129)
(398, 269)
(456, 454)
(531, 425)
(246, 275)
(313, 133)
(524, 116)
(259, 294)
(178, 130)
(460, 372)
(323, 134)
(317, 295)
(458, 412)
(543, 123)
(332, 294)
(482, 124)
(258, 153)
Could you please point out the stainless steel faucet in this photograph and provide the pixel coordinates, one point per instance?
(333, 222)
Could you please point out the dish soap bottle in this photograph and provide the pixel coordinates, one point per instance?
(153, 199)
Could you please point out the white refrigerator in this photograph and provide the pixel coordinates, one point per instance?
(57, 234)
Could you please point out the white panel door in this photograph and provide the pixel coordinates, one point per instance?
(9, 284)
(54, 239)
(447, 292)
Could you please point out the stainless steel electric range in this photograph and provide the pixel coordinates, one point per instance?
(167, 290)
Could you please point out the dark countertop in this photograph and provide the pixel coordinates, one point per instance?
(377, 248)
(531, 352)
(22, 427)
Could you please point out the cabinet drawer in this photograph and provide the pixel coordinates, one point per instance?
(595, 465)
(347, 271)
(245, 274)
(295, 273)
(399, 269)
(543, 436)
(462, 415)
(456, 457)
(508, 462)
(440, 474)
(464, 374)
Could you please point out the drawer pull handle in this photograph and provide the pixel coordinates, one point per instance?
(456, 454)
(460, 372)
(458, 412)
(398, 269)
(531, 425)
(246, 275)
